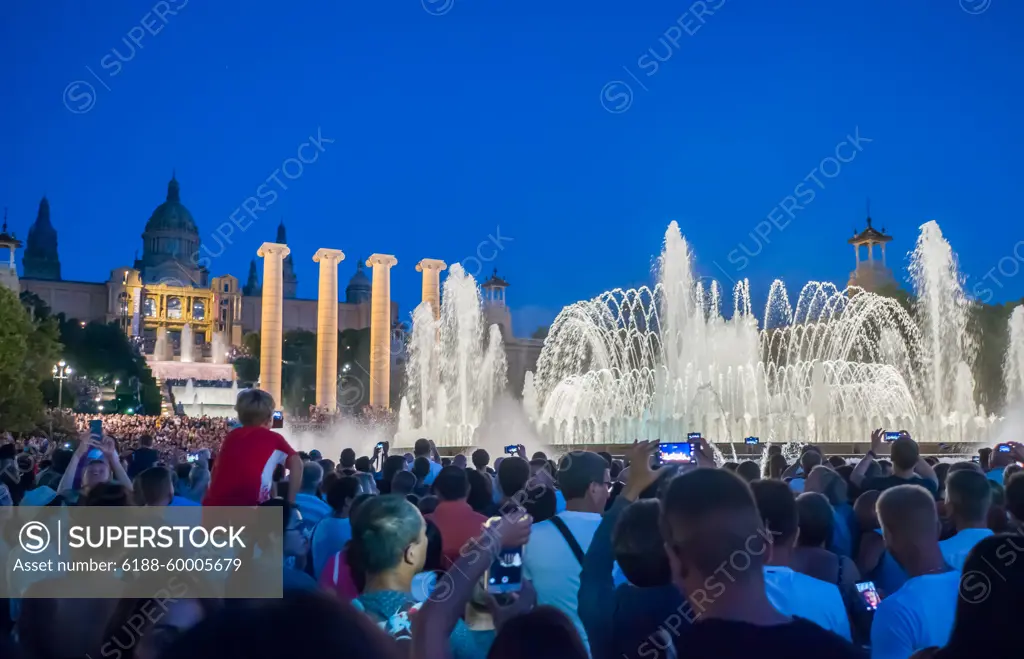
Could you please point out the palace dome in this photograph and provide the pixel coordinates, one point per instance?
(359, 287)
(172, 214)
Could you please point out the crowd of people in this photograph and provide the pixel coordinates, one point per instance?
(391, 555)
(173, 434)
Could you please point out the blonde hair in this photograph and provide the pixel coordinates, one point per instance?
(254, 407)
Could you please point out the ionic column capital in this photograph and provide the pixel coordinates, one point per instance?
(328, 255)
(273, 249)
(431, 264)
(385, 260)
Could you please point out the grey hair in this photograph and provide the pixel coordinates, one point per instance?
(312, 475)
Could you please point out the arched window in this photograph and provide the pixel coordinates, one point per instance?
(174, 307)
(199, 310)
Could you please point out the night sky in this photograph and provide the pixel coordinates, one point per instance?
(461, 123)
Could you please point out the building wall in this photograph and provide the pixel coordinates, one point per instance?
(76, 299)
(301, 314)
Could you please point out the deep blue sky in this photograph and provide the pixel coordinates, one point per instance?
(448, 127)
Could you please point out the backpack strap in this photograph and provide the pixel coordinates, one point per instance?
(577, 551)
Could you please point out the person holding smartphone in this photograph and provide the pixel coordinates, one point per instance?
(908, 467)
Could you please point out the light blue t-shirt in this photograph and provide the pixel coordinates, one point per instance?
(312, 507)
(919, 615)
(995, 475)
(955, 549)
(559, 502)
(329, 537)
(435, 469)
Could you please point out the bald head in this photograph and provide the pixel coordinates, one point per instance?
(908, 517)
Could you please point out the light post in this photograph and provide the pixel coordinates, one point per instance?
(61, 372)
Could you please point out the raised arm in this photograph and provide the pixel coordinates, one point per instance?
(861, 470)
(67, 481)
(109, 449)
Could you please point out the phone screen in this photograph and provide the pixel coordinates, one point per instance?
(511, 449)
(278, 421)
(693, 436)
(192, 457)
(752, 440)
(1003, 448)
(96, 428)
(506, 573)
(891, 436)
(869, 595)
(677, 453)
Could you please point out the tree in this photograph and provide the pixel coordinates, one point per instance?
(28, 350)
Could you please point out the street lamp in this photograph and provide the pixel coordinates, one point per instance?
(61, 372)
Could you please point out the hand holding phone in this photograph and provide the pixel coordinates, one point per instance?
(512, 450)
(677, 452)
(752, 440)
(892, 436)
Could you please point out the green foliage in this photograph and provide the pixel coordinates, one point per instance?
(28, 350)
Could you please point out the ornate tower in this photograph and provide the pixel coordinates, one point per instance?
(870, 274)
(495, 310)
(8, 270)
(40, 260)
(252, 284)
(290, 281)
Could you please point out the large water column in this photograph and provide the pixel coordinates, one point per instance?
(327, 328)
(431, 269)
(188, 342)
(272, 319)
(380, 329)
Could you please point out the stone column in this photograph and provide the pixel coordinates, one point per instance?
(272, 319)
(431, 269)
(327, 328)
(380, 329)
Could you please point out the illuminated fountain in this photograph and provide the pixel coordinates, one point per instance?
(1013, 367)
(658, 363)
(188, 343)
(453, 375)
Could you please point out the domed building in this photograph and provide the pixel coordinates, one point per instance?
(170, 244)
(359, 287)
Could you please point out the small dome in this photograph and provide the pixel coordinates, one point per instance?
(172, 214)
(359, 287)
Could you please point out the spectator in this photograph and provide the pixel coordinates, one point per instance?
(424, 448)
(709, 519)
(334, 530)
(456, 521)
(481, 498)
(907, 467)
(144, 457)
(98, 469)
(545, 632)
(153, 487)
(999, 460)
(620, 620)
(403, 483)
(198, 480)
(347, 460)
(1014, 496)
(816, 522)
(246, 462)
(421, 469)
(829, 483)
(308, 500)
(874, 561)
(809, 459)
(920, 614)
(968, 498)
(295, 544)
(792, 592)
(182, 485)
(459, 461)
(992, 597)
(389, 546)
(554, 557)
(481, 459)
(749, 471)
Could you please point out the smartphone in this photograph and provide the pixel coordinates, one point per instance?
(96, 428)
(506, 573)
(66, 445)
(278, 421)
(512, 449)
(192, 457)
(891, 436)
(1003, 448)
(752, 440)
(380, 444)
(676, 453)
(869, 595)
(975, 458)
(693, 436)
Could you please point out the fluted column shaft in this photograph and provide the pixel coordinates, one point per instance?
(272, 319)
(380, 329)
(327, 328)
